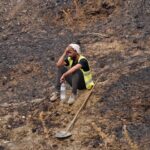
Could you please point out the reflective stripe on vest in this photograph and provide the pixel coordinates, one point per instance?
(70, 62)
(87, 74)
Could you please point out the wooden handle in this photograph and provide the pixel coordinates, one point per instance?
(73, 120)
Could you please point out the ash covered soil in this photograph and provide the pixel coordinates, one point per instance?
(114, 36)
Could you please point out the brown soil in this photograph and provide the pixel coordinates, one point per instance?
(114, 36)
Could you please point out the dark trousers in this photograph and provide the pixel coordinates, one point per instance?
(75, 80)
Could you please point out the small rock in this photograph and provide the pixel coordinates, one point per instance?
(103, 78)
(52, 58)
(57, 113)
(28, 69)
(135, 41)
(72, 113)
(136, 16)
(4, 57)
(71, 139)
(140, 25)
(102, 65)
(12, 78)
(5, 105)
(4, 37)
(5, 78)
(34, 130)
(38, 100)
(18, 23)
(54, 145)
(69, 111)
(30, 58)
(23, 117)
(24, 11)
(9, 126)
(6, 142)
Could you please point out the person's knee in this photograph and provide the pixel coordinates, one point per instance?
(75, 76)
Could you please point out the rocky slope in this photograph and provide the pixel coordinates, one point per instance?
(114, 35)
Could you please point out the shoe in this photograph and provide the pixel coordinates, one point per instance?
(72, 99)
(54, 97)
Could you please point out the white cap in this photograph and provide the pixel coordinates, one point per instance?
(76, 47)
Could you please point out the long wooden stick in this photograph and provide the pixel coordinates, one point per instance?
(77, 113)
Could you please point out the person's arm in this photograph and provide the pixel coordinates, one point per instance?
(70, 71)
(61, 61)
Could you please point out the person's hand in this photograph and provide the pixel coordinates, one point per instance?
(62, 79)
(66, 50)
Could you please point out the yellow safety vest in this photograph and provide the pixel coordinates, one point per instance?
(87, 74)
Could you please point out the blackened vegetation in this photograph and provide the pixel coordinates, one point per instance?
(112, 34)
(128, 100)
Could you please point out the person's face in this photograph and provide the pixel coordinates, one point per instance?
(71, 52)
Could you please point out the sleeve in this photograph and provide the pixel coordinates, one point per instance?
(66, 61)
(84, 64)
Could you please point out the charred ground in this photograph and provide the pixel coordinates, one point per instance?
(114, 35)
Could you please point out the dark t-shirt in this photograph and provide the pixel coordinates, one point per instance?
(83, 62)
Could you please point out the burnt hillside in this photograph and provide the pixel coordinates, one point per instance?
(114, 36)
